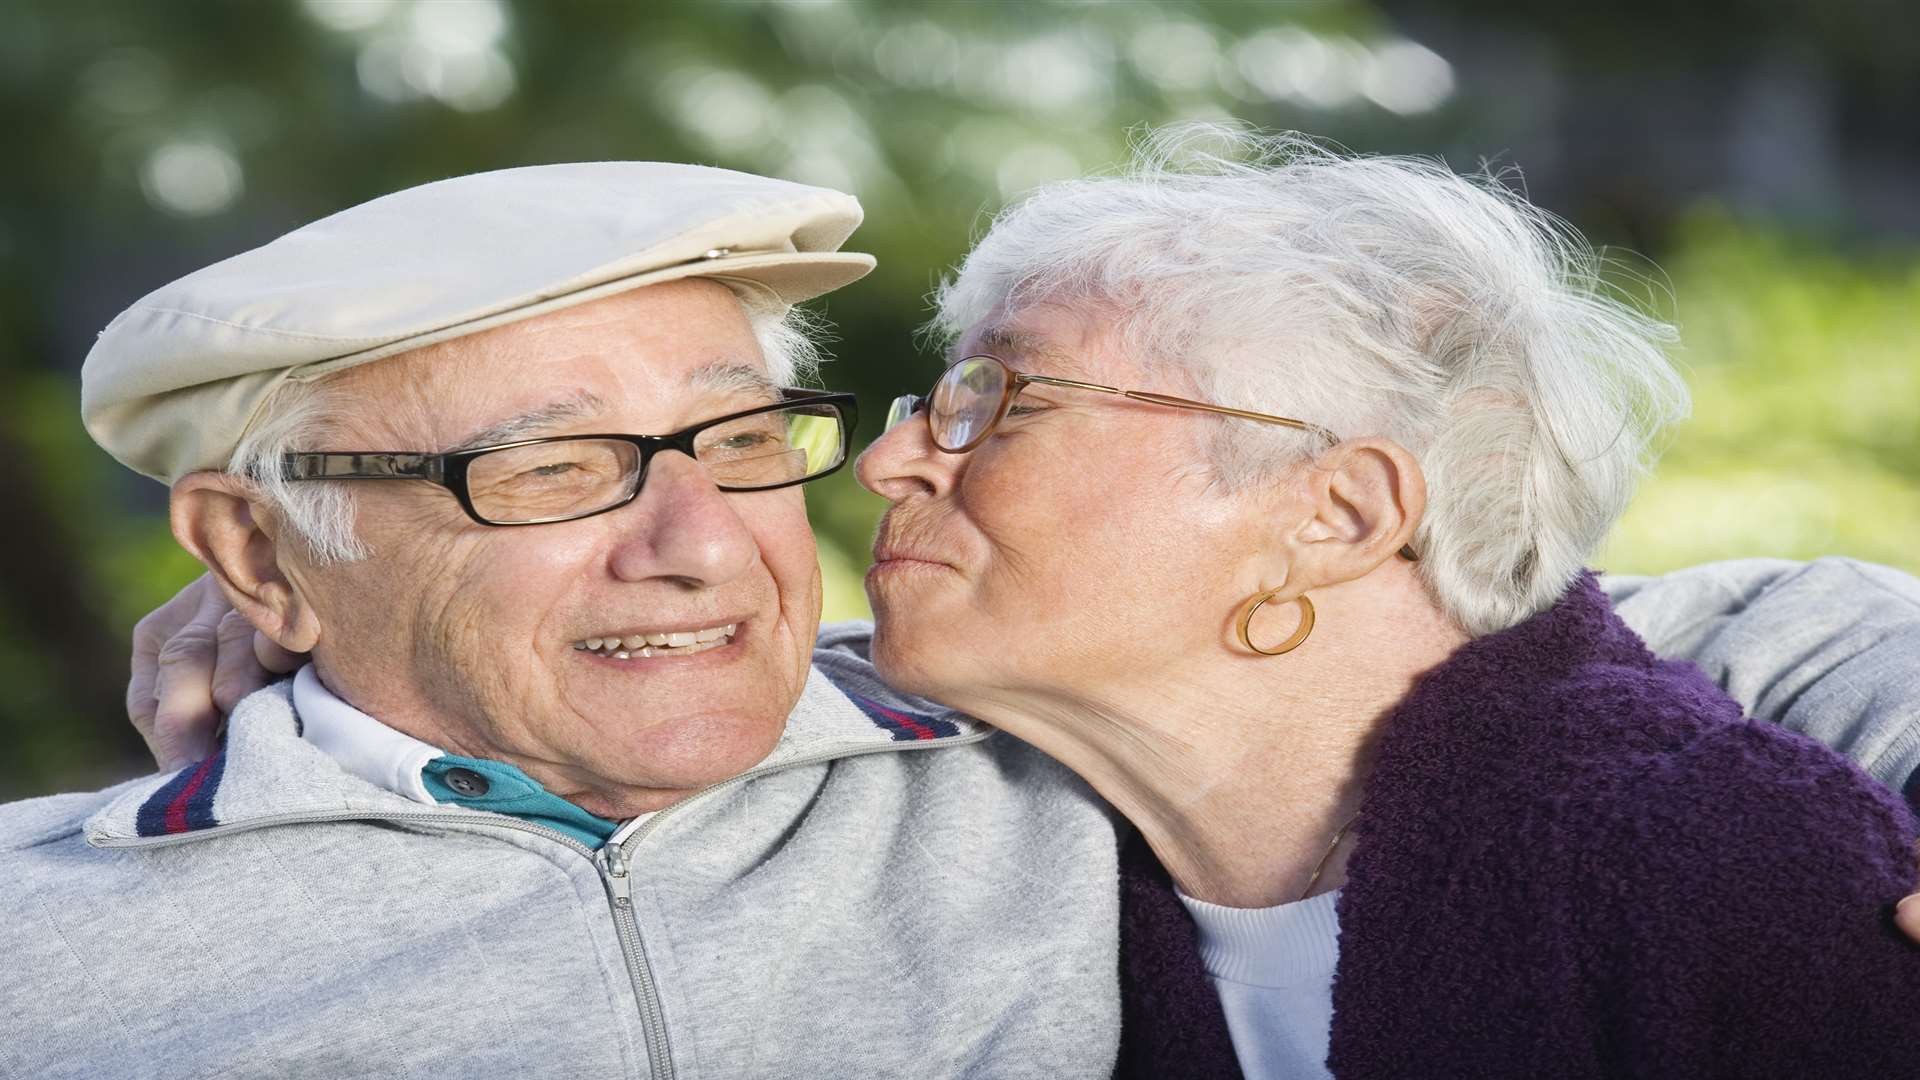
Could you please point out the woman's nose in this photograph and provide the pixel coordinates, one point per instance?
(903, 462)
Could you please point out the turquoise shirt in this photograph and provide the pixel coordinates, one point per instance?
(506, 790)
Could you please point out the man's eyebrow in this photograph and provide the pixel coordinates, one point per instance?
(733, 378)
(531, 423)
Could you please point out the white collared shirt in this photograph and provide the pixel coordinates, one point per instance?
(1273, 969)
(363, 746)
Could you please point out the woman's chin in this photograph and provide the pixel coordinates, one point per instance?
(910, 661)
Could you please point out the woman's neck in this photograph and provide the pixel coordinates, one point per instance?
(1239, 772)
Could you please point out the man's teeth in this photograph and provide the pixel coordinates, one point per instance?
(673, 643)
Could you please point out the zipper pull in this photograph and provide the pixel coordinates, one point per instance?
(613, 870)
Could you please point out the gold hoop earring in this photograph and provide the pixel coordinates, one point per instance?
(1254, 603)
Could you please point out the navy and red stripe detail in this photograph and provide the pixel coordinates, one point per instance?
(184, 803)
(905, 727)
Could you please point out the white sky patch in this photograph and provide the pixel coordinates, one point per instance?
(446, 51)
(1406, 77)
(726, 109)
(192, 177)
(348, 16)
(1297, 65)
(1336, 80)
(464, 27)
(827, 142)
(1054, 72)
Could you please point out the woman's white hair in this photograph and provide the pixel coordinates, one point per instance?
(1372, 296)
(299, 416)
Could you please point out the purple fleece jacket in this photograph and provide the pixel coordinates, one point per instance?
(1578, 860)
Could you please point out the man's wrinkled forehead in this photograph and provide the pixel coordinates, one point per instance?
(621, 365)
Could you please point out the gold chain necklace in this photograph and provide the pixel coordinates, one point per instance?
(1338, 835)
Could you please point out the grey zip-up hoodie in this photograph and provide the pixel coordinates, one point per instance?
(894, 892)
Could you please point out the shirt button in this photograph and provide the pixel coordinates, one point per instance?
(466, 782)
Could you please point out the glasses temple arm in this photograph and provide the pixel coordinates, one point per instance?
(1244, 414)
(362, 466)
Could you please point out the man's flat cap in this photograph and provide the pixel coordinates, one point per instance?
(174, 381)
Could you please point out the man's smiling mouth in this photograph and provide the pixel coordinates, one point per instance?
(643, 644)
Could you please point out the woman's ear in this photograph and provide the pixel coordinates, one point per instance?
(1367, 496)
(218, 518)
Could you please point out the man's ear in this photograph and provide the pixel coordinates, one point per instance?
(219, 519)
(1367, 496)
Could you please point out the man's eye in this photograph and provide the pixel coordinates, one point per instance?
(735, 444)
(1025, 410)
(549, 472)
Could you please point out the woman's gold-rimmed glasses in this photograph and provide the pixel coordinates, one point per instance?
(972, 397)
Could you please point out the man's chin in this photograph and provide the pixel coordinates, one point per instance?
(671, 759)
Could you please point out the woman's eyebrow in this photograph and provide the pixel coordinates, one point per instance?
(531, 423)
(1017, 349)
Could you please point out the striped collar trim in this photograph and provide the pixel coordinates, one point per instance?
(904, 726)
(184, 803)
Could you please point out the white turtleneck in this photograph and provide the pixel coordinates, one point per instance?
(1273, 969)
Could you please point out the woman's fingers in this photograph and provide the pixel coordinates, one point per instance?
(170, 694)
(194, 658)
(237, 672)
(1906, 915)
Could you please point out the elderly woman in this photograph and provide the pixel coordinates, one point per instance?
(1260, 494)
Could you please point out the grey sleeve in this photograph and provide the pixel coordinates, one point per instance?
(1829, 648)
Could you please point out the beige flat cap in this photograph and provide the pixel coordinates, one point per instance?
(174, 381)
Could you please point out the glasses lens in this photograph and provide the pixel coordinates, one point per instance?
(966, 402)
(552, 481)
(770, 449)
(902, 410)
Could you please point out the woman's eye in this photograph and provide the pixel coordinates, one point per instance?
(1025, 410)
(554, 469)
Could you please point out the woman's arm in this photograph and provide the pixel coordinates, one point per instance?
(1829, 648)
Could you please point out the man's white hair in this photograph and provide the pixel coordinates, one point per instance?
(1371, 296)
(300, 416)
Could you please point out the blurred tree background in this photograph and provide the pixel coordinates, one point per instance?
(1760, 155)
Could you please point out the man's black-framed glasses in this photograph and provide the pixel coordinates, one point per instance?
(567, 477)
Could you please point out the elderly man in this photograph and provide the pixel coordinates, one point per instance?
(526, 624)
(515, 458)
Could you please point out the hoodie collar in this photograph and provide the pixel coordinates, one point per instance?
(268, 773)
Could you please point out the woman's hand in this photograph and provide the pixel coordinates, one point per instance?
(1906, 914)
(194, 658)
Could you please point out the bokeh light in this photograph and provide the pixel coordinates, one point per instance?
(192, 177)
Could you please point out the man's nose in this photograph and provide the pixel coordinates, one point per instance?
(681, 527)
(903, 462)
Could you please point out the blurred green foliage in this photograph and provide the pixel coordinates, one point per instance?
(1805, 436)
(149, 139)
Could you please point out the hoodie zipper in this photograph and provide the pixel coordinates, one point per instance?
(614, 861)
